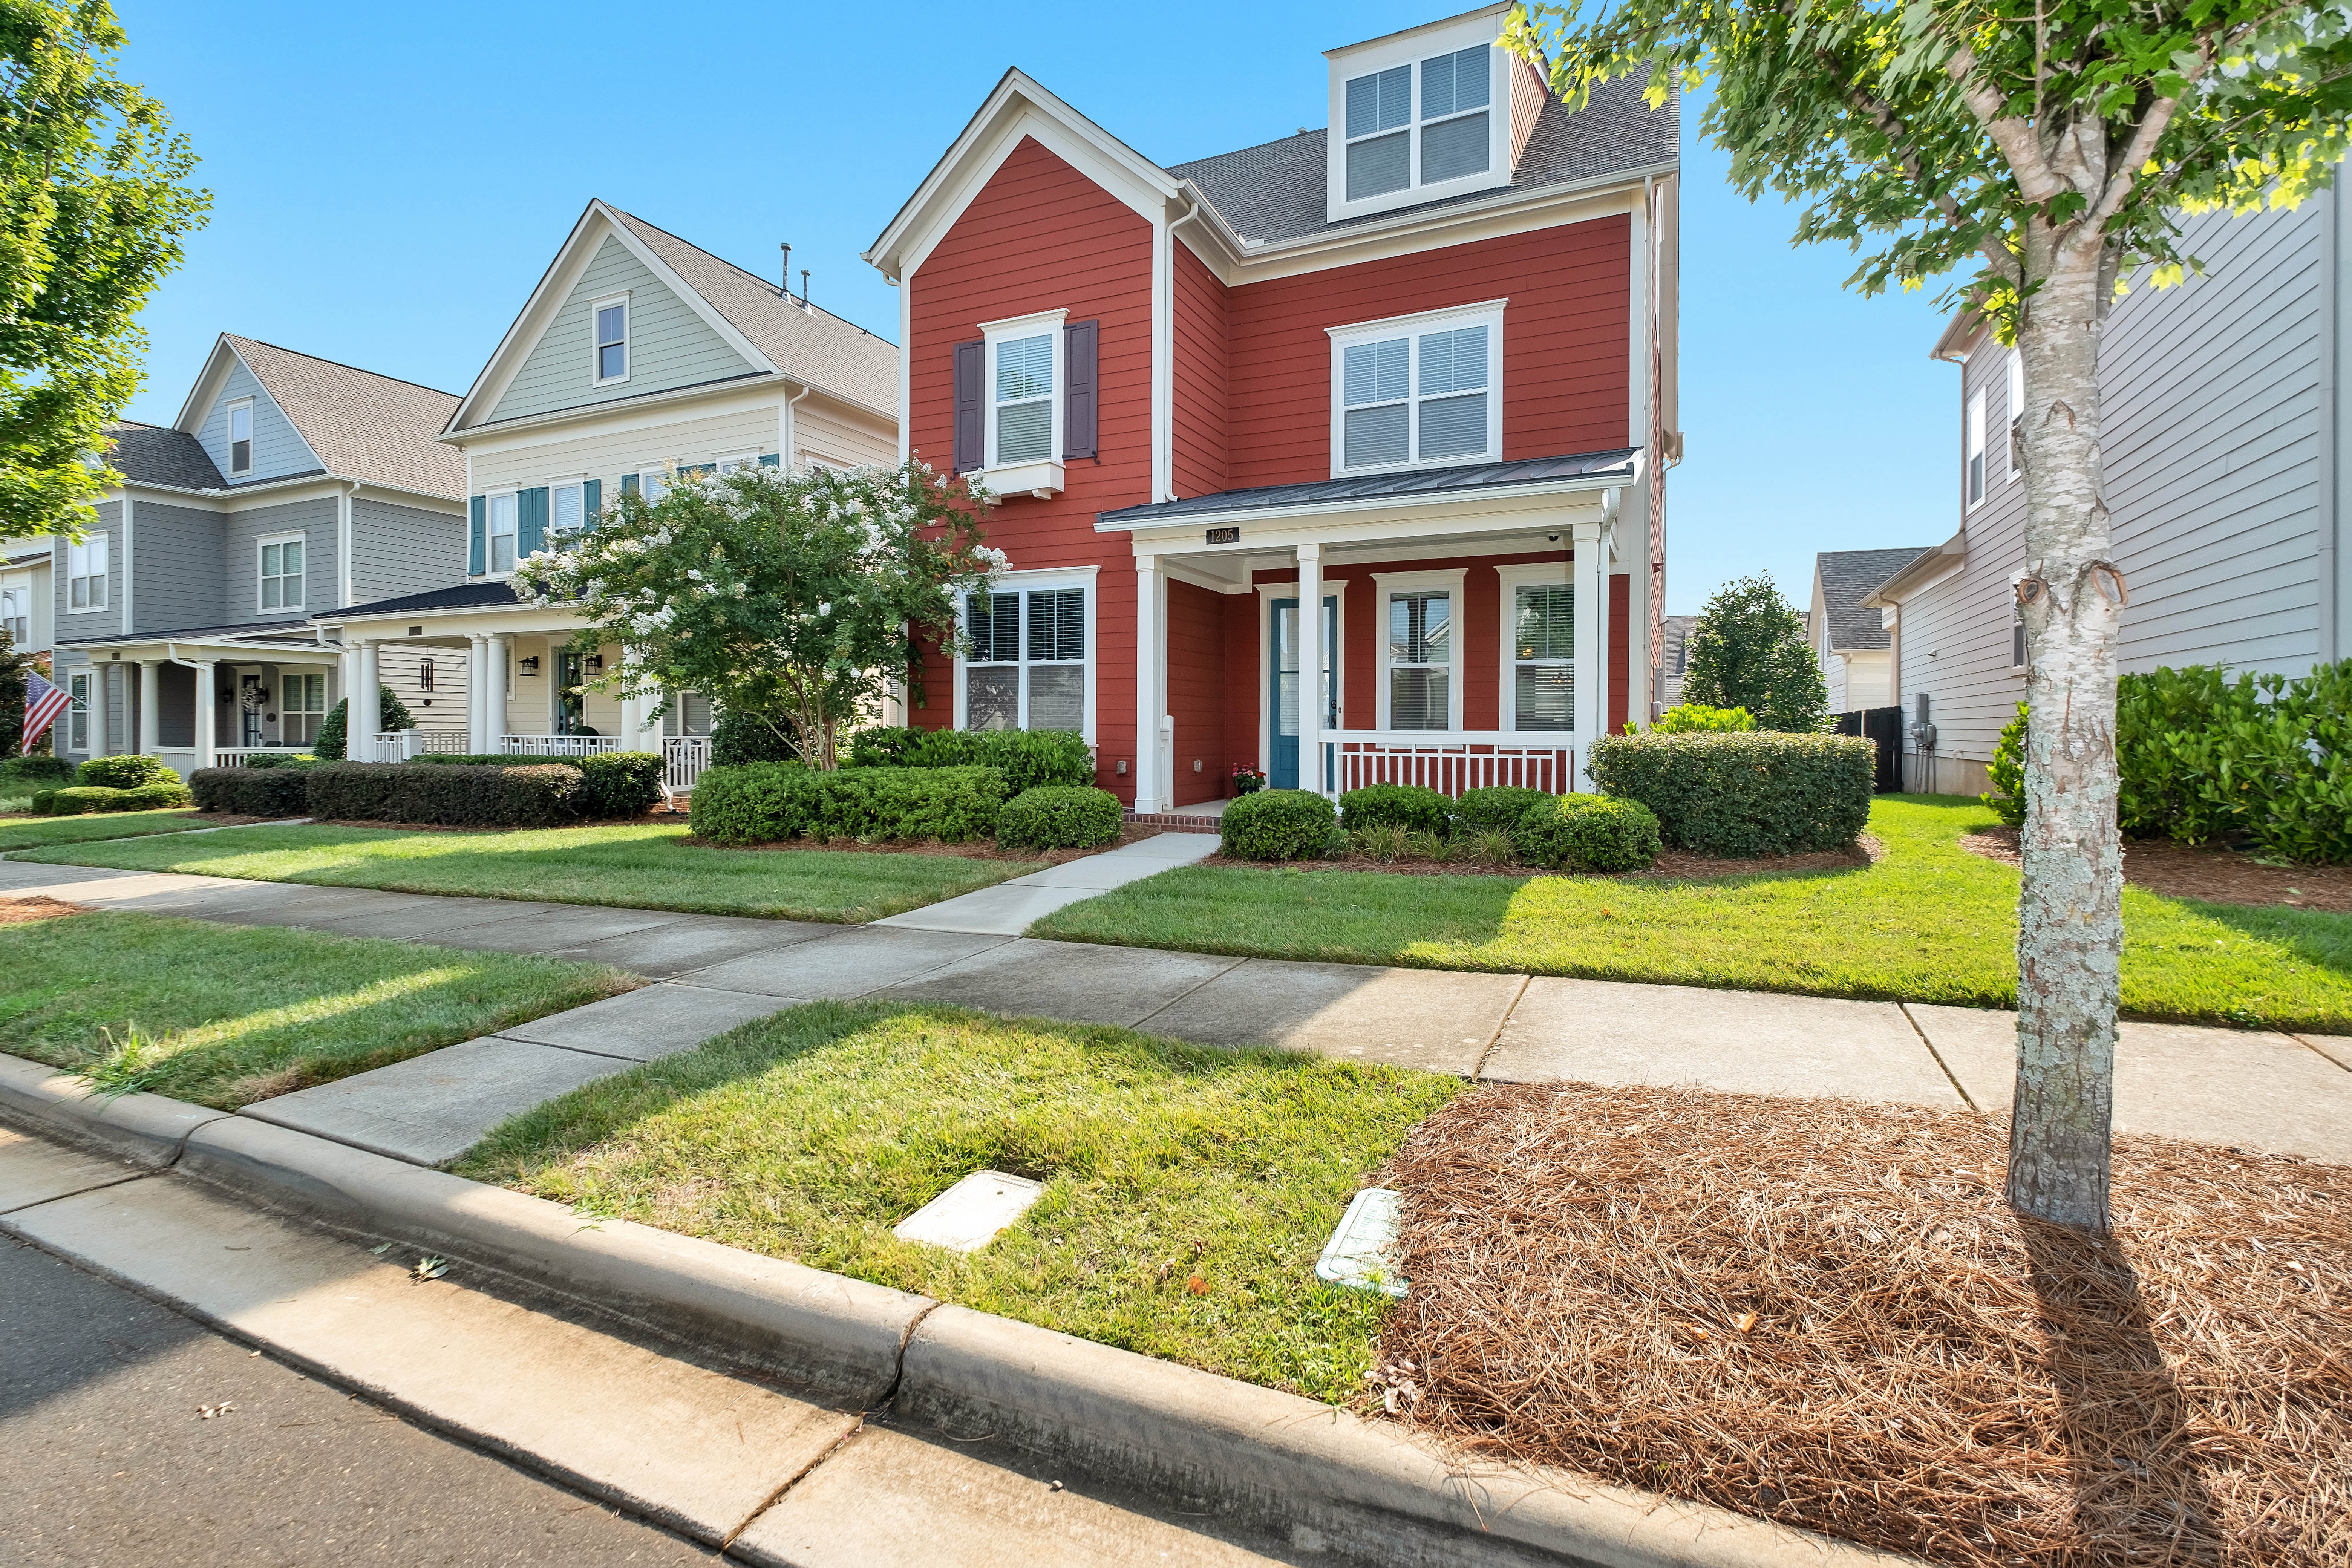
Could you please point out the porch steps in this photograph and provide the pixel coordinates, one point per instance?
(1179, 821)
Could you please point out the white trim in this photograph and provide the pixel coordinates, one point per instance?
(130, 560)
(344, 532)
(1408, 50)
(511, 493)
(1163, 362)
(105, 537)
(733, 460)
(2016, 412)
(1473, 504)
(905, 361)
(302, 578)
(1412, 328)
(595, 341)
(1510, 581)
(1387, 584)
(1974, 444)
(1082, 577)
(1030, 474)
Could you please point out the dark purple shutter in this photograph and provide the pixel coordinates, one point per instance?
(971, 451)
(1078, 399)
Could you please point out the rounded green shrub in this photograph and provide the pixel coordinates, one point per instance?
(1497, 808)
(2007, 773)
(77, 800)
(157, 797)
(125, 772)
(1280, 824)
(1409, 806)
(1589, 833)
(1058, 816)
(1698, 719)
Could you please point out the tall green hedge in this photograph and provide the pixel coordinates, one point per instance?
(619, 783)
(253, 791)
(1736, 794)
(1031, 758)
(758, 803)
(537, 795)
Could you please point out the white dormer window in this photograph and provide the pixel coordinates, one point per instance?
(1414, 118)
(612, 322)
(1418, 391)
(240, 437)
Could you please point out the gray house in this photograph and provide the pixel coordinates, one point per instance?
(287, 485)
(1853, 643)
(2225, 442)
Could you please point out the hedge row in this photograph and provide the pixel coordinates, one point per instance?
(541, 795)
(76, 800)
(1030, 759)
(1741, 795)
(619, 783)
(39, 769)
(1059, 816)
(279, 791)
(759, 803)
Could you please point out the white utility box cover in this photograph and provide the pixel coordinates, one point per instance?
(968, 1215)
(1361, 1254)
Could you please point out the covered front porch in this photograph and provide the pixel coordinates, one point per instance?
(1469, 627)
(206, 697)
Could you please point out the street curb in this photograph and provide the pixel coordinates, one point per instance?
(1331, 1480)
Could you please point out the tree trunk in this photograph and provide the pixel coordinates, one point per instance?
(2070, 905)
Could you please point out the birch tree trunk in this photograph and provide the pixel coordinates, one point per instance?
(2070, 905)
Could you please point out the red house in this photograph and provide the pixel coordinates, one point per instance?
(1416, 371)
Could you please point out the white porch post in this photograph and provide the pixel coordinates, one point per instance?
(494, 684)
(1312, 656)
(151, 704)
(1590, 702)
(207, 714)
(1150, 683)
(477, 721)
(98, 709)
(364, 719)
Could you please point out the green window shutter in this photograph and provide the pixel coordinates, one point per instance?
(628, 484)
(478, 556)
(591, 497)
(530, 522)
(770, 459)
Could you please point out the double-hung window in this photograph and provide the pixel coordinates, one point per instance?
(86, 573)
(1421, 680)
(610, 318)
(240, 437)
(1380, 138)
(1419, 390)
(1976, 449)
(1540, 652)
(2016, 414)
(281, 573)
(302, 707)
(1024, 396)
(1424, 124)
(567, 507)
(78, 711)
(502, 514)
(17, 616)
(1026, 667)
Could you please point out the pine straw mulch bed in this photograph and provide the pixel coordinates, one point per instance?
(982, 849)
(1822, 1313)
(1673, 865)
(22, 912)
(2211, 872)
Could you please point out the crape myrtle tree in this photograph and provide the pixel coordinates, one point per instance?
(1750, 650)
(2043, 152)
(93, 206)
(771, 593)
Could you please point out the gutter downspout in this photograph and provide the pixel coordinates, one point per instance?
(790, 434)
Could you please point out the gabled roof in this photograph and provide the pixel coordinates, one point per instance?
(155, 455)
(774, 335)
(361, 425)
(1277, 192)
(1848, 577)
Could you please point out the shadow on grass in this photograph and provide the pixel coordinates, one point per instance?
(2317, 937)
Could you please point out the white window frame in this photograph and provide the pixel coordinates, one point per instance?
(2016, 412)
(242, 405)
(16, 609)
(260, 548)
(1412, 49)
(513, 498)
(628, 340)
(1540, 574)
(1025, 582)
(652, 481)
(1486, 313)
(78, 693)
(1031, 473)
(2016, 635)
(77, 570)
(556, 486)
(1387, 585)
(1973, 477)
(734, 460)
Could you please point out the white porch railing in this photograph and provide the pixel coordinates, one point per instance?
(556, 745)
(683, 759)
(240, 756)
(442, 743)
(395, 746)
(1448, 762)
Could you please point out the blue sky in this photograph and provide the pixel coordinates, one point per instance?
(391, 181)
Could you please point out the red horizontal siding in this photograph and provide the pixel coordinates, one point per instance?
(1200, 372)
(1621, 644)
(1196, 691)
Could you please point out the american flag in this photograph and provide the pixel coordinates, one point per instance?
(43, 703)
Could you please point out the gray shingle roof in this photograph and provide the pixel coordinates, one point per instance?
(1675, 652)
(808, 345)
(1848, 577)
(1277, 191)
(459, 596)
(363, 425)
(1438, 482)
(158, 455)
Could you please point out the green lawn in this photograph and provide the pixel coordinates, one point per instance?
(1930, 923)
(808, 1134)
(637, 866)
(242, 1013)
(39, 832)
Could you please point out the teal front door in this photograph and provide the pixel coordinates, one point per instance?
(1285, 687)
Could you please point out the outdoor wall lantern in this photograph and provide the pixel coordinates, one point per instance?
(530, 666)
(595, 664)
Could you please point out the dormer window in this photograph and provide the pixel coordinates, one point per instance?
(1380, 154)
(611, 319)
(240, 437)
(1414, 118)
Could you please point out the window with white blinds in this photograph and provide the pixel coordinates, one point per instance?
(1453, 126)
(1419, 392)
(1421, 662)
(1543, 657)
(1024, 399)
(1027, 665)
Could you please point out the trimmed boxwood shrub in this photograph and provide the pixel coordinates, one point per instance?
(540, 795)
(157, 797)
(1408, 806)
(759, 803)
(253, 791)
(46, 769)
(1030, 759)
(1278, 825)
(1497, 808)
(1740, 795)
(77, 800)
(619, 783)
(125, 772)
(1587, 832)
(280, 760)
(1058, 816)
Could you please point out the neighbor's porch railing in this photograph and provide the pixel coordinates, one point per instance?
(557, 745)
(237, 756)
(399, 745)
(1448, 761)
(683, 759)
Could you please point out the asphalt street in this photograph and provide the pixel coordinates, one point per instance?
(111, 1457)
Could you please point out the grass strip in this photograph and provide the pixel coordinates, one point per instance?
(230, 1015)
(1188, 1190)
(39, 832)
(632, 865)
(1928, 923)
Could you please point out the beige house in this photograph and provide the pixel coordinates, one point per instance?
(1851, 639)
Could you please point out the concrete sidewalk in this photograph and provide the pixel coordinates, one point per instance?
(1006, 908)
(2274, 1091)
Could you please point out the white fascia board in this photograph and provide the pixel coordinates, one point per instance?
(286, 492)
(755, 388)
(209, 382)
(524, 616)
(1018, 107)
(1520, 513)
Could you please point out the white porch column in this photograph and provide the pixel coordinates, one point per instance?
(98, 709)
(1590, 707)
(151, 704)
(1312, 656)
(494, 685)
(364, 719)
(478, 717)
(1150, 681)
(207, 714)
